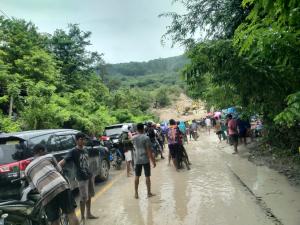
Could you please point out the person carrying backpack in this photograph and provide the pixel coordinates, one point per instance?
(174, 139)
(125, 141)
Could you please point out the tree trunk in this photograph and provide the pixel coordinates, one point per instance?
(11, 102)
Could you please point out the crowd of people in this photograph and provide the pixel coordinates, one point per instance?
(141, 146)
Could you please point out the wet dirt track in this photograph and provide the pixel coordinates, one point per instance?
(213, 192)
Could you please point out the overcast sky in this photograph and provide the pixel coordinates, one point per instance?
(124, 30)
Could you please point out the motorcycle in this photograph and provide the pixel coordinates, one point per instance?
(115, 155)
(27, 211)
(156, 148)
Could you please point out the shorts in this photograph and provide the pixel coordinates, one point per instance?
(64, 201)
(173, 148)
(86, 189)
(128, 156)
(234, 138)
(243, 133)
(138, 170)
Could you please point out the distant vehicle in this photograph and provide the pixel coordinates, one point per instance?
(16, 154)
(113, 132)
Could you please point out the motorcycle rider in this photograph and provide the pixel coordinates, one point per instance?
(125, 141)
(193, 130)
(151, 132)
(44, 174)
(160, 136)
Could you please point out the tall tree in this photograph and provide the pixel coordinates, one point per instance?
(211, 19)
(75, 61)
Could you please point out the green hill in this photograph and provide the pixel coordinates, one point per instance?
(147, 75)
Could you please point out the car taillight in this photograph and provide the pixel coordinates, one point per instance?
(104, 138)
(11, 167)
(24, 164)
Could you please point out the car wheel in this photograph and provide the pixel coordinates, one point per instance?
(104, 171)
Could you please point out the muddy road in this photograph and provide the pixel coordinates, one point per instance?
(220, 189)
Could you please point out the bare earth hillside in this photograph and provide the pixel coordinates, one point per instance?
(182, 109)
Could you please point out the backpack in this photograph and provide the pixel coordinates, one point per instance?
(125, 141)
(151, 134)
(172, 135)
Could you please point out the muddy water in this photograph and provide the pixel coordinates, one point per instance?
(211, 193)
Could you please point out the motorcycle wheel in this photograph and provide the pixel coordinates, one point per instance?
(118, 163)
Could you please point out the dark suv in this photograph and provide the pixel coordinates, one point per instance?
(16, 154)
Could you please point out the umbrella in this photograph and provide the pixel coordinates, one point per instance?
(217, 114)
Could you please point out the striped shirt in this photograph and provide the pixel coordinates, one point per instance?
(44, 174)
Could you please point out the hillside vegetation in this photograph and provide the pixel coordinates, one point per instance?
(53, 81)
(249, 58)
(147, 75)
(158, 80)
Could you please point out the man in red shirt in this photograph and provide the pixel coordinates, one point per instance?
(233, 132)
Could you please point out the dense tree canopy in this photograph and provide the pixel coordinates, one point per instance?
(53, 81)
(250, 59)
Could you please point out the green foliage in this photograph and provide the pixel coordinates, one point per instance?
(123, 115)
(41, 111)
(214, 18)
(53, 81)
(156, 66)
(254, 66)
(75, 62)
(291, 114)
(162, 98)
(7, 125)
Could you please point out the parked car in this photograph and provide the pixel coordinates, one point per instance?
(16, 154)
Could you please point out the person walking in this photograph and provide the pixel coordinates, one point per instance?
(208, 124)
(243, 128)
(125, 140)
(218, 129)
(142, 157)
(174, 138)
(79, 156)
(233, 133)
(44, 174)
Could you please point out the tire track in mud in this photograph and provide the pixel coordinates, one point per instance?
(259, 200)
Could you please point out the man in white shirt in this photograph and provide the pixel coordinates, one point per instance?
(208, 124)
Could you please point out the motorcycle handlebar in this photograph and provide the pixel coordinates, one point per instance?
(18, 179)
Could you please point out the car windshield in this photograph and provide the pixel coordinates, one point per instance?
(116, 130)
(7, 149)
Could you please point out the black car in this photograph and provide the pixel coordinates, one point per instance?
(16, 154)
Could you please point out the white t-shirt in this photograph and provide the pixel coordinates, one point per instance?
(208, 122)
